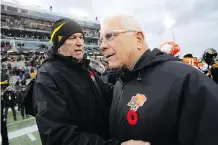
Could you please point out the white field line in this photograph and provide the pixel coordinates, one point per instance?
(31, 136)
(21, 132)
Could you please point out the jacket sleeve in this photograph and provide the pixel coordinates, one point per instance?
(198, 123)
(56, 125)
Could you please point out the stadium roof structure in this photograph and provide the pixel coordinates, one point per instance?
(39, 13)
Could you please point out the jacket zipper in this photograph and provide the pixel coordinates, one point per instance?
(117, 111)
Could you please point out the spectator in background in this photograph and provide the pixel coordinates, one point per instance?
(10, 101)
(27, 76)
(21, 75)
(9, 66)
(190, 60)
(209, 57)
(4, 80)
(23, 82)
(26, 71)
(17, 85)
(4, 130)
(17, 71)
(26, 59)
(32, 73)
(26, 63)
(29, 63)
(32, 70)
(24, 110)
(32, 62)
(214, 71)
(171, 48)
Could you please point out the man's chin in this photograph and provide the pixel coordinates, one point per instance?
(114, 65)
(80, 57)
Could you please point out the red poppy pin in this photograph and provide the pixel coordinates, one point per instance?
(132, 117)
(92, 75)
(136, 102)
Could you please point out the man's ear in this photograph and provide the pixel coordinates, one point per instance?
(59, 49)
(140, 40)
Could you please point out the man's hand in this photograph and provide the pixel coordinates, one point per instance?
(135, 142)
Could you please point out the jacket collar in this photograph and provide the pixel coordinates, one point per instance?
(69, 60)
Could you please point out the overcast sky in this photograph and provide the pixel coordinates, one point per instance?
(196, 27)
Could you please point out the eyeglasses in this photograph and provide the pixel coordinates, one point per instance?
(110, 35)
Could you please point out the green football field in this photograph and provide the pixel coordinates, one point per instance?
(22, 131)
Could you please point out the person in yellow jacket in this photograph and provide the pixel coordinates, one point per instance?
(33, 75)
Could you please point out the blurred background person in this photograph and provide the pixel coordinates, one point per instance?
(10, 101)
(210, 57)
(4, 130)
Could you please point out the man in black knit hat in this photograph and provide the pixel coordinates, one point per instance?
(71, 102)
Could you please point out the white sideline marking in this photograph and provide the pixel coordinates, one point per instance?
(31, 136)
(20, 121)
(21, 132)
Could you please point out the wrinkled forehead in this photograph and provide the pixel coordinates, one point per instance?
(110, 25)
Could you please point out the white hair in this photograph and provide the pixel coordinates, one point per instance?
(127, 20)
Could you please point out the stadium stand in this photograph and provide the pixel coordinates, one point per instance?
(25, 29)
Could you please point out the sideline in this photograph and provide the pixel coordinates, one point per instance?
(21, 132)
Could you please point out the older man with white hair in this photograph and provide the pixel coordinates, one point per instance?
(158, 99)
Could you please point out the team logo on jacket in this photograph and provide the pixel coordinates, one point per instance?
(137, 101)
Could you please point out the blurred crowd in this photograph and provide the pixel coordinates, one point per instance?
(13, 22)
(16, 73)
(207, 64)
(24, 23)
(21, 66)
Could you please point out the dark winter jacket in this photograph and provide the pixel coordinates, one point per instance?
(72, 103)
(214, 71)
(165, 102)
(9, 98)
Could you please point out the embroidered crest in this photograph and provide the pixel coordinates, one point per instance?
(137, 101)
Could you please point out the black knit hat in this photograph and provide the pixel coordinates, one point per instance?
(61, 30)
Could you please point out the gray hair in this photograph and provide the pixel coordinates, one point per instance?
(128, 21)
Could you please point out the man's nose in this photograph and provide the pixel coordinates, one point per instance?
(104, 46)
(79, 40)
